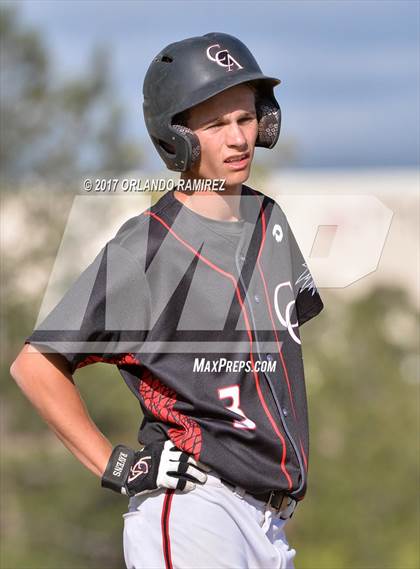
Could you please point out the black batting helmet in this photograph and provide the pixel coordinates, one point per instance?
(191, 71)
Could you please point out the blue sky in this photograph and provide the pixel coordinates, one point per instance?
(349, 69)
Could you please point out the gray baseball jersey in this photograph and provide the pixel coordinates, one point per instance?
(202, 319)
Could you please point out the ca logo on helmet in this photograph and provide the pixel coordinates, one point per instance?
(222, 57)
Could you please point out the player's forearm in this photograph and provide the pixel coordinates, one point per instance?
(91, 448)
(52, 392)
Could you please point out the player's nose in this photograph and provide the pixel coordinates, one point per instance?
(235, 136)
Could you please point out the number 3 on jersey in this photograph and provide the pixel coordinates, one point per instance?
(232, 392)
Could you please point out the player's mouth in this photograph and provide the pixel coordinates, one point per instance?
(237, 161)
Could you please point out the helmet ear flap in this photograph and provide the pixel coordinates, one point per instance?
(269, 121)
(192, 146)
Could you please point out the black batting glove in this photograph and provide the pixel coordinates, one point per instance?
(157, 465)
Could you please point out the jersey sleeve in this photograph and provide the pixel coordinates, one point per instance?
(308, 300)
(104, 315)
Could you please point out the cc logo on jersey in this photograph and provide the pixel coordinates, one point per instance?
(222, 57)
(285, 317)
(277, 233)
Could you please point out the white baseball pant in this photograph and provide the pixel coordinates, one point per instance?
(211, 527)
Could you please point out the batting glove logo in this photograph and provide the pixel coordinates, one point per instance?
(222, 58)
(140, 468)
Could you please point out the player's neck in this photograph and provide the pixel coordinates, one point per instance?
(219, 205)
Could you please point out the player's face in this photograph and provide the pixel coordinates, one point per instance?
(227, 128)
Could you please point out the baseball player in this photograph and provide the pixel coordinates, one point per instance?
(198, 301)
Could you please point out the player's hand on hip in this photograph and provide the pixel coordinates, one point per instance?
(157, 465)
(179, 470)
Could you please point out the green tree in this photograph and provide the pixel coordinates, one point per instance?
(52, 130)
(361, 362)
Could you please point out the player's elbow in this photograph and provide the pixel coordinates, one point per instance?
(18, 374)
(34, 368)
(13, 370)
(18, 367)
(27, 364)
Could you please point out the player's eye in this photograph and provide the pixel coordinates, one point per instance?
(246, 119)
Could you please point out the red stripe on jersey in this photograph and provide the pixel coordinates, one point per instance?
(267, 297)
(166, 542)
(120, 359)
(248, 328)
(160, 400)
(305, 460)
